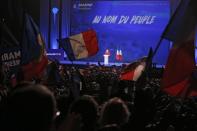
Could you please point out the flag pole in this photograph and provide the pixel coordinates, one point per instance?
(166, 28)
(157, 47)
(133, 93)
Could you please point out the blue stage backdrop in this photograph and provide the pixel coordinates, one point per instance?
(130, 26)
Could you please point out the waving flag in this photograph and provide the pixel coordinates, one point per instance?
(33, 59)
(177, 77)
(9, 50)
(134, 70)
(80, 46)
(119, 55)
(179, 68)
(182, 22)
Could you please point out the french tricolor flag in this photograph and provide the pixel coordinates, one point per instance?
(80, 46)
(134, 70)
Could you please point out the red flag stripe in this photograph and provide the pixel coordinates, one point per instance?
(34, 69)
(91, 42)
(179, 68)
(127, 76)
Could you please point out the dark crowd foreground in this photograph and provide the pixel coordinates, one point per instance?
(70, 98)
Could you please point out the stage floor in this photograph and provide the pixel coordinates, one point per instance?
(99, 63)
(91, 63)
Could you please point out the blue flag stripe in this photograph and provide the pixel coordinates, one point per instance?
(65, 44)
(30, 47)
(182, 22)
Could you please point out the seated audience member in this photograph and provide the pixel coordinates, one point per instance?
(114, 114)
(29, 107)
(82, 115)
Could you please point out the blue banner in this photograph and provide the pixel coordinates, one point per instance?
(124, 28)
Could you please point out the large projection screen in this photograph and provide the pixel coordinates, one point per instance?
(130, 26)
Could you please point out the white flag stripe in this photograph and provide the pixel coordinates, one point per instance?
(78, 45)
(138, 71)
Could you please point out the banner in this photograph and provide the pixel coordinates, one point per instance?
(10, 58)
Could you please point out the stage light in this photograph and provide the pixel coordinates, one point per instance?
(55, 10)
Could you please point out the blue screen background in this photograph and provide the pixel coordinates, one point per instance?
(133, 39)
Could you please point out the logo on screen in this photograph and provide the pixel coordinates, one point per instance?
(83, 6)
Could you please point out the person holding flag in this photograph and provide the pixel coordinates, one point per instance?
(20, 31)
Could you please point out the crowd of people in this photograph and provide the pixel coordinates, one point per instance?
(92, 98)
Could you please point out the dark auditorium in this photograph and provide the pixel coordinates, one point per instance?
(98, 65)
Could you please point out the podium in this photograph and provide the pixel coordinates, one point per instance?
(106, 59)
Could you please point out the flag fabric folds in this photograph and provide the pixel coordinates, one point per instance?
(134, 70)
(33, 56)
(177, 78)
(9, 45)
(182, 22)
(30, 46)
(179, 68)
(80, 46)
